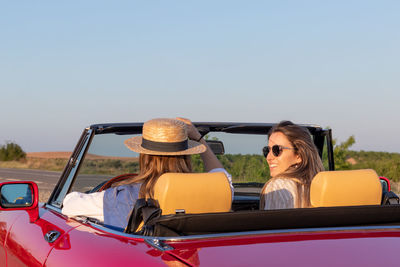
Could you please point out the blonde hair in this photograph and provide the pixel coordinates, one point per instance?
(303, 172)
(152, 167)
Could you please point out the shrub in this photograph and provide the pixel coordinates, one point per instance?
(11, 151)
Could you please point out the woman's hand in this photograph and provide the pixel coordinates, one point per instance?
(209, 159)
(193, 133)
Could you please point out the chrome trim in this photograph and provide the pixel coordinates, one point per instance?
(281, 231)
(52, 236)
(75, 164)
(115, 232)
(158, 244)
(148, 239)
(53, 208)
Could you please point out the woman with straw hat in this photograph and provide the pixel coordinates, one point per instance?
(164, 146)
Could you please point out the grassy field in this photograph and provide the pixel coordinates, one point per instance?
(56, 164)
(56, 161)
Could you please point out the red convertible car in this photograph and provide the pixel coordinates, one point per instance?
(354, 220)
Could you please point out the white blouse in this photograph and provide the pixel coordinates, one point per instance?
(280, 193)
(90, 205)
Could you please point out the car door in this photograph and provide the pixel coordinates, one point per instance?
(28, 230)
(29, 243)
(6, 221)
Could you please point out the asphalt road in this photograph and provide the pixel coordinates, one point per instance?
(46, 180)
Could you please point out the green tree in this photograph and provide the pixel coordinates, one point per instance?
(11, 151)
(384, 163)
(341, 153)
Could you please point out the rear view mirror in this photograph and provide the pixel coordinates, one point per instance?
(216, 146)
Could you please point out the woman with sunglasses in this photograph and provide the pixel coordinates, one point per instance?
(293, 162)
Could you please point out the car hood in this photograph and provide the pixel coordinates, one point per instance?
(357, 247)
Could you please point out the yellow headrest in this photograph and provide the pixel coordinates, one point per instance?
(193, 192)
(345, 188)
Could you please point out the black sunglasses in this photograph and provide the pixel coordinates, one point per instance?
(276, 150)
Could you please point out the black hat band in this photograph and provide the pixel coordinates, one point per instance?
(164, 146)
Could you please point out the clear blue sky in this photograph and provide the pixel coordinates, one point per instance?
(66, 65)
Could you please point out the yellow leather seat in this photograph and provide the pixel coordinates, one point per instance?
(193, 193)
(346, 188)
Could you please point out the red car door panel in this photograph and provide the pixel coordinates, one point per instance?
(76, 244)
(92, 247)
(6, 221)
(26, 244)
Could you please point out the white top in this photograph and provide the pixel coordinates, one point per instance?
(280, 193)
(91, 205)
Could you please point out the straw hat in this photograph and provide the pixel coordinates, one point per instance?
(164, 137)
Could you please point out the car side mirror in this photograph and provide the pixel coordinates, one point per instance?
(216, 146)
(20, 196)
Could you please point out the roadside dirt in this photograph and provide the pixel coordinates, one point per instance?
(66, 155)
(49, 155)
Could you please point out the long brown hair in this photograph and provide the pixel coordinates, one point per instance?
(153, 166)
(303, 172)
